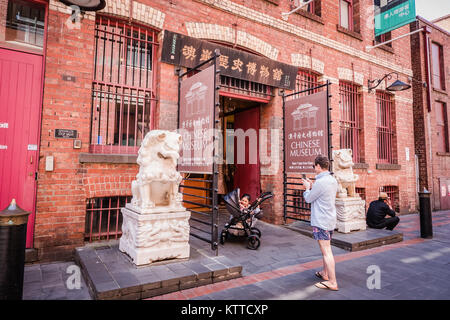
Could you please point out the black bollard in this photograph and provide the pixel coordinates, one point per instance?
(426, 225)
(13, 233)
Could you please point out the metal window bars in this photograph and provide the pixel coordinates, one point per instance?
(350, 130)
(123, 88)
(103, 218)
(385, 131)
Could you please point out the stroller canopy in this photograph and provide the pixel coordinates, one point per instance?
(232, 202)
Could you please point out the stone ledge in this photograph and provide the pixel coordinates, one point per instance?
(107, 158)
(310, 15)
(353, 241)
(110, 275)
(388, 166)
(350, 33)
(443, 154)
(361, 166)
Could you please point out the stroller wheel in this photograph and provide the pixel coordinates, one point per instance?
(223, 236)
(256, 231)
(253, 242)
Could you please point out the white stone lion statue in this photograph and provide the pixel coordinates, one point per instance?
(343, 172)
(157, 181)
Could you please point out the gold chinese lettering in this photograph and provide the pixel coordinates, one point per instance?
(264, 71)
(251, 68)
(223, 61)
(206, 55)
(277, 73)
(189, 52)
(237, 64)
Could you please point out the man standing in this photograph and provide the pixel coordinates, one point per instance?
(322, 197)
(377, 212)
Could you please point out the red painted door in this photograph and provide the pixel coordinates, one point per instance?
(247, 174)
(20, 101)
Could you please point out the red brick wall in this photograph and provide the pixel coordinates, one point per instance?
(62, 193)
(432, 165)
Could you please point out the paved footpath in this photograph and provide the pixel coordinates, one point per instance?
(415, 268)
(283, 268)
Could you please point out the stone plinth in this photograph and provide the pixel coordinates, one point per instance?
(350, 214)
(147, 238)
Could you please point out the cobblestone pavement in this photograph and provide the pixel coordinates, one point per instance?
(283, 268)
(415, 268)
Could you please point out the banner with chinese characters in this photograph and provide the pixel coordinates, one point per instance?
(196, 122)
(306, 132)
(393, 14)
(189, 52)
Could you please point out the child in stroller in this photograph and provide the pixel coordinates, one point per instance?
(243, 217)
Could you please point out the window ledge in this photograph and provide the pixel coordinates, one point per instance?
(275, 2)
(311, 16)
(107, 158)
(350, 33)
(361, 166)
(388, 166)
(384, 47)
(439, 90)
(443, 154)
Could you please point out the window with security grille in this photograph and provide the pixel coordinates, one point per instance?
(386, 139)
(123, 88)
(350, 115)
(104, 218)
(307, 80)
(393, 194)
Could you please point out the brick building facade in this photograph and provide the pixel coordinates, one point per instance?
(317, 41)
(431, 116)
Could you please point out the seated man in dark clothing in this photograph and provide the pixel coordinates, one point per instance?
(377, 212)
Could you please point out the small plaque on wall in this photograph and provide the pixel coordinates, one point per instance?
(66, 133)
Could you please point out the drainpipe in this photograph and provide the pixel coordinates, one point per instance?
(426, 35)
(427, 31)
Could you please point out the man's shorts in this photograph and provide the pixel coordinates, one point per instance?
(320, 234)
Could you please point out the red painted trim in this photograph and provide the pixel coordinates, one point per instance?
(243, 97)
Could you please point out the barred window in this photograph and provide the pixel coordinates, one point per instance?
(385, 128)
(393, 194)
(123, 88)
(350, 113)
(307, 80)
(104, 218)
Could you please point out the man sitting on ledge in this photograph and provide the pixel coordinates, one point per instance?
(377, 212)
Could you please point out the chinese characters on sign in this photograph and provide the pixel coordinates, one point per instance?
(306, 132)
(189, 52)
(196, 122)
(393, 14)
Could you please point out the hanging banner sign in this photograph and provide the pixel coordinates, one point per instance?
(196, 122)
(189, 52)
(393, 14)
(306, 132)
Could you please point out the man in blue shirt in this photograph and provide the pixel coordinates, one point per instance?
(322, 196)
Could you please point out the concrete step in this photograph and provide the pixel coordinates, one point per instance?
(110, 274)
(355, 240)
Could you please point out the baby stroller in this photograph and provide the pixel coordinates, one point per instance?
(242, 221)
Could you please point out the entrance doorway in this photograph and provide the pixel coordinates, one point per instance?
(20, 102)
(241, 168)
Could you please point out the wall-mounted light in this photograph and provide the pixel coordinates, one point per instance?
(396, 86)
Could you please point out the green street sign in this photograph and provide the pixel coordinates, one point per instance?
(393, 14)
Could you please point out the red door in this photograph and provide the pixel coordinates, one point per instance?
(20, 101)
(247, 175)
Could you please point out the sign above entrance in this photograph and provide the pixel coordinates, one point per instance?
(393, 14)
(306, 131)
(188, 52)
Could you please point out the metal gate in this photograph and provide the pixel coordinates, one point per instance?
(199, 190)
(294, 205)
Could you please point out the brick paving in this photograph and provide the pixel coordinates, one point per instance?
(283, 268)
